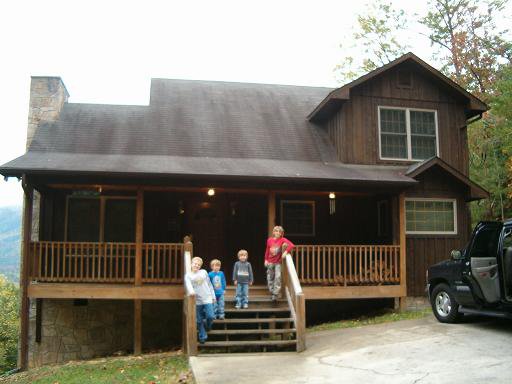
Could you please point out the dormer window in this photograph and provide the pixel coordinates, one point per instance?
(407, 134)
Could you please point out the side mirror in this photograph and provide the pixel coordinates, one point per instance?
(456, 254)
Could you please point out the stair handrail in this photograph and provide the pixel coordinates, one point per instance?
(189, 303)
(296, 300)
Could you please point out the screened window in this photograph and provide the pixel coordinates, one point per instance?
(298, 217)
(83, 219)
(407, 134)
(430, 216)
(88, 221)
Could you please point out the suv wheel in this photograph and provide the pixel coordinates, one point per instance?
(444, 305)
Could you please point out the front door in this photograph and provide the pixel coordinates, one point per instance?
(205, 222)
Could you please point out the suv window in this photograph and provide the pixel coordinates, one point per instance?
(485, 243)
(507, 238)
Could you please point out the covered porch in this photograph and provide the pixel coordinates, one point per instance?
(134, 242)
(353, 245)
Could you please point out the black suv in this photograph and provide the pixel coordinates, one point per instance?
(477, 279)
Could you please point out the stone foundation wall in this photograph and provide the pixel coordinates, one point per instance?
(99, 328)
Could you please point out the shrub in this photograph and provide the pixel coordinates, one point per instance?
(9, 324)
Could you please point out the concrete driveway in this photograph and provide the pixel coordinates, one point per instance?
(412, 351)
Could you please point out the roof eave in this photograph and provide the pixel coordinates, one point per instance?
(476, 191)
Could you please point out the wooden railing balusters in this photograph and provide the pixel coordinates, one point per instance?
(347, 264)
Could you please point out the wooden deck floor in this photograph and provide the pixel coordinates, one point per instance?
(175, 291)
(104, 291)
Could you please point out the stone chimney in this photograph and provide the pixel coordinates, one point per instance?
(47, 97)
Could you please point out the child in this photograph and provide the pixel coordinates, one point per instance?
(198, 279)
(276, 246)
(242, 278)
(219, 286)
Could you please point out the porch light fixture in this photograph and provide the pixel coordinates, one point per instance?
(332, 203)
(211, 192)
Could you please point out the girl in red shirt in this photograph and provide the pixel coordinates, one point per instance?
(276, 246)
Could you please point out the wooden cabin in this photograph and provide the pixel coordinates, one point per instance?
(369, 180)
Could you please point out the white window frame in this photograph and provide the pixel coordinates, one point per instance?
(313, 213)
(408, 132)
(435, 199)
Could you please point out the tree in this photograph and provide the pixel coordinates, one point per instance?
(375, 41)
(468, 42)
(475, 53)
(9, 324)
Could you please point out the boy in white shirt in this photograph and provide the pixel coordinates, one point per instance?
(205, 297)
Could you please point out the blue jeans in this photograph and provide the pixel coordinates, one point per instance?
(242, 294)
(204, 314)
(219, 306)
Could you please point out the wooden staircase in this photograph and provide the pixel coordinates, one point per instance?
(263, 327)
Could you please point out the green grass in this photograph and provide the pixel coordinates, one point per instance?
(160, 368)
(370, 320)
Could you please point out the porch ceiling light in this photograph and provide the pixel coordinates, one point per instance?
(332, 195)
(211, 192)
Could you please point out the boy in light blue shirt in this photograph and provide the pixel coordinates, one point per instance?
(219, 286)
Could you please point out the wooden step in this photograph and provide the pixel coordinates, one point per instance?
(254, 299)
(257, 309)
(251, 331)
(248, 343)
(252, 320)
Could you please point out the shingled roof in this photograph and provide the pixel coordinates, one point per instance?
(197, 128)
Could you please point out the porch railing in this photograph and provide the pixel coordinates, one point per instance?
(347, 264)
(58, 261)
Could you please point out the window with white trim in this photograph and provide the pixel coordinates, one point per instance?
(407, 134)
(431, 216)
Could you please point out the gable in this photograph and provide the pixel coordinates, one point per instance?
(336, 99)
(419, 85)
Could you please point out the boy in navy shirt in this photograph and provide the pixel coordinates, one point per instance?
(242, 277)
(219, 286)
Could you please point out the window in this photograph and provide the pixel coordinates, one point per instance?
(407, 134)
(431, 216)
(101, 218)
(298, 217)
(485, 243)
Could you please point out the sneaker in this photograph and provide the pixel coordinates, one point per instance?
(237, 306)
(202, 341)
(274, 298)
(221, 317)
(246, 306)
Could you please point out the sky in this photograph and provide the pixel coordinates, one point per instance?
(107, 51)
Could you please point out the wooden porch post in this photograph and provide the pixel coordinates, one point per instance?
(138, 237)
(137, 304)
(189, 303)
(271, 211)
(25, 262)
(403, 251)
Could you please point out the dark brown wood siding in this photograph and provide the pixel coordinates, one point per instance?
(426, 250)
(354, 129)
(354, 220)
